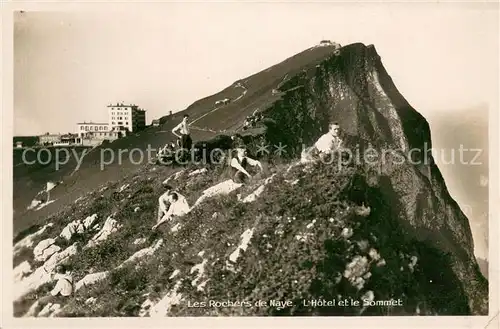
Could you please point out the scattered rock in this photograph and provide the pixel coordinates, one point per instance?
(363, 245)
(197, 172)
(123, 188)
(413, 262)
(176, 227)
(347, 233)
(22, 270)
(49, 309)
(90, 279)
(139, 241)
(75, 226)
(311, 224)
(200, 268)
(34, 203)
(90, 300)
(29, 240)
(44, 249)
(374, 254)
(355, 270)
(245, 240)
(362, 211)
(142, 253)
(223, 188)
(109, 227)
(162, 308)
(87, 222)
(145, 307)
(174, 274)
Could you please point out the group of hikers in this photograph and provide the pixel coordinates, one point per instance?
(252, 120)
(172, 203)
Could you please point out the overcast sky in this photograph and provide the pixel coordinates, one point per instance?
(70, 65)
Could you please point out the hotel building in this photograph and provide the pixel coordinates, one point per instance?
(129, 116)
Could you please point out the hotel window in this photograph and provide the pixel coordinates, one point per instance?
(86, 128)
(112, 122)
(81, 127)
(126, 123)
(120, 123)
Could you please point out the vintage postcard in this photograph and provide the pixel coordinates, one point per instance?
(318, 163)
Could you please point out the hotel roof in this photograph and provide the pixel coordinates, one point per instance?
(92, 123)
(134, 106)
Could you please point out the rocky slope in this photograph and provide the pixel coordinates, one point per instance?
(361, 230)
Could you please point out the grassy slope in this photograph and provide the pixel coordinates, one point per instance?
(275, 266)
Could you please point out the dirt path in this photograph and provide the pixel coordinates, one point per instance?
(217, 108)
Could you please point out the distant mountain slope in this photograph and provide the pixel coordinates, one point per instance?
(412, 223)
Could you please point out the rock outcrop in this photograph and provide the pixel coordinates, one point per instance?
(355, 90)
(368, 227)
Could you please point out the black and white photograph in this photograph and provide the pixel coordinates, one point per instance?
(253, 159)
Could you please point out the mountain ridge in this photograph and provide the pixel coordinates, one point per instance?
(350, 87)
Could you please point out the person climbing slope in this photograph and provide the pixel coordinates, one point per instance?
(177, 206)
(183, 129)
(239, 163)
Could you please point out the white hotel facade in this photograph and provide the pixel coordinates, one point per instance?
(121, 118)
(129, 116)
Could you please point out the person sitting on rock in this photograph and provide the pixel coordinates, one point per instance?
(63, 288)
(177, 205)
(239, 163)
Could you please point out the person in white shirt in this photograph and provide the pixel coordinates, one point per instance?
(63, 288)
(326, 144)
(183, 129)
(239, 165)
(329, 141)
(177, 206)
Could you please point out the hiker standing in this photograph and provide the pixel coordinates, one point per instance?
(239, 165)
(183, 129)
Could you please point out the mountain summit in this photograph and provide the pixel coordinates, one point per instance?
(385, 233)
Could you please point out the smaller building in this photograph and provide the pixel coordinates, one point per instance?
(93, 138)
(155, 122)
(49, 139)
(69, 138)
(85, 127)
